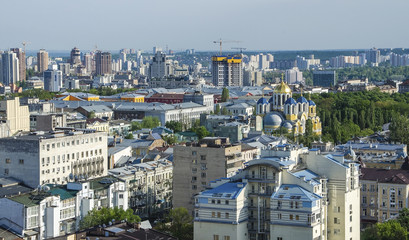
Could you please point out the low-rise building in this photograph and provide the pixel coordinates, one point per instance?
(99, 111)
(14, 116)
(383, 194)
(97, 124)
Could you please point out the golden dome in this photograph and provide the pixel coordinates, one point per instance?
(282, 88)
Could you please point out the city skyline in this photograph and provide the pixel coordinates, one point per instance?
(259, 25)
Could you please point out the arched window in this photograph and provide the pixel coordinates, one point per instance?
(299, 107)
(282, 96)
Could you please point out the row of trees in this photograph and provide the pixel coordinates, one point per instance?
(97, 217)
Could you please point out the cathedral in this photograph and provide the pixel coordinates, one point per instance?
(281, 110)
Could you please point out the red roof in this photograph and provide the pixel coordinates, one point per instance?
(397, 176)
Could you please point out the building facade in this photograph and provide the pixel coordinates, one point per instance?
(9, 68)
(227, 71)
(103, 63)
(42, 60)
(50, 158)
(14, 116)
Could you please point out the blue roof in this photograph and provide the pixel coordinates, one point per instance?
(262, 101)
(302, 100)
(290, 191)
(228, 190)
(290, 101)
(311, 102)
(271, 100)
(309, 176)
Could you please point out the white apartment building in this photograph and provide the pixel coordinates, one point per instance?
(311, 196)
(50, 212)
(42, 158)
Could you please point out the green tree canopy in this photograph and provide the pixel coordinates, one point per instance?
(178, 224)
(105, 215)
(225, 95)
(176, 126)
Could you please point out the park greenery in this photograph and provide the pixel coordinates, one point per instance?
(356, 114)
(225, 95)
(394, 229)
(178, 223)
(105, 215)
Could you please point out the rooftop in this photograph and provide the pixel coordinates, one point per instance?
(397, 176)
(290, 192)
(229, 190)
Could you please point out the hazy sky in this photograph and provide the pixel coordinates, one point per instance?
(181, 24)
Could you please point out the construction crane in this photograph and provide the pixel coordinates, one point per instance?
(239, 48)
(24, 43)
(220, 42)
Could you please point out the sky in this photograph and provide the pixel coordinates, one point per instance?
(186, 24)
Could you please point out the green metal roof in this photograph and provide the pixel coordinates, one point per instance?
(30, 199)
(63, 193)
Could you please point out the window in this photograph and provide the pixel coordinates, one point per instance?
(400, 204)
(213, 201)
(350, 229)
(364, 211)
(203, 157)
(219, 215)
(21, 161)
(194, 187)
(364, 199)
(337, 231)
(279, 216)
(279, 238)
(203, 174)
(291, 217)
(399, 191)
(297, 217)
(8, 160)
(372, 188)
(337, 221)
(226, 215)
(121, 196)
(350, 218)
(213, 214)
(227, 202)
(215, 237)
(194, 153)
(6, 171)
(218, 201)
(363, 187)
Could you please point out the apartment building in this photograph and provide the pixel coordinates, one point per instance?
(149, 187)
(53, 211)
(383, 194)
(311, 196)
(196, 164)
(43, 158)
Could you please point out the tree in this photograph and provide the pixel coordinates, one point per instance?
(175, 126)
(129, 136)
(170, 139)
(150, 122)
(105, 215)
(224, 111)
(91, 115)
(225, 95)
(136, 126)
(217, 111)
(178, 223)
(399, 128)
(201, 132)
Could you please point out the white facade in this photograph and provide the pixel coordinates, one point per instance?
(309, 196)
(293, 76)
(51, 158)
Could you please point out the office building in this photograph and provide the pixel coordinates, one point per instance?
(75, 56)
(89, 63)
(53, 81)
(311, 196)
(293, 76)
(9, 68)
(324, 78)
(227, 71)
(42, 60)
(50, 158)
(15, 116)
(21, 62)
(103, 63)
(196, 164)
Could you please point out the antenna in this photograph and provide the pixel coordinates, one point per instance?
(24, 43)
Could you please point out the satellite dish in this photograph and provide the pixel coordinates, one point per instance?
(71, 176)
(46, 188)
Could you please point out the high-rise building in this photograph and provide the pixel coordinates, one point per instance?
(21, 62)
(227, 71)
(373, 55)
(75, 57)
(88, 63)
(252, 78)
(323, 78)
(52, 80)
(158, 67)
(42, 60)
(103, 62)
(9, 70)
(293, 76)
